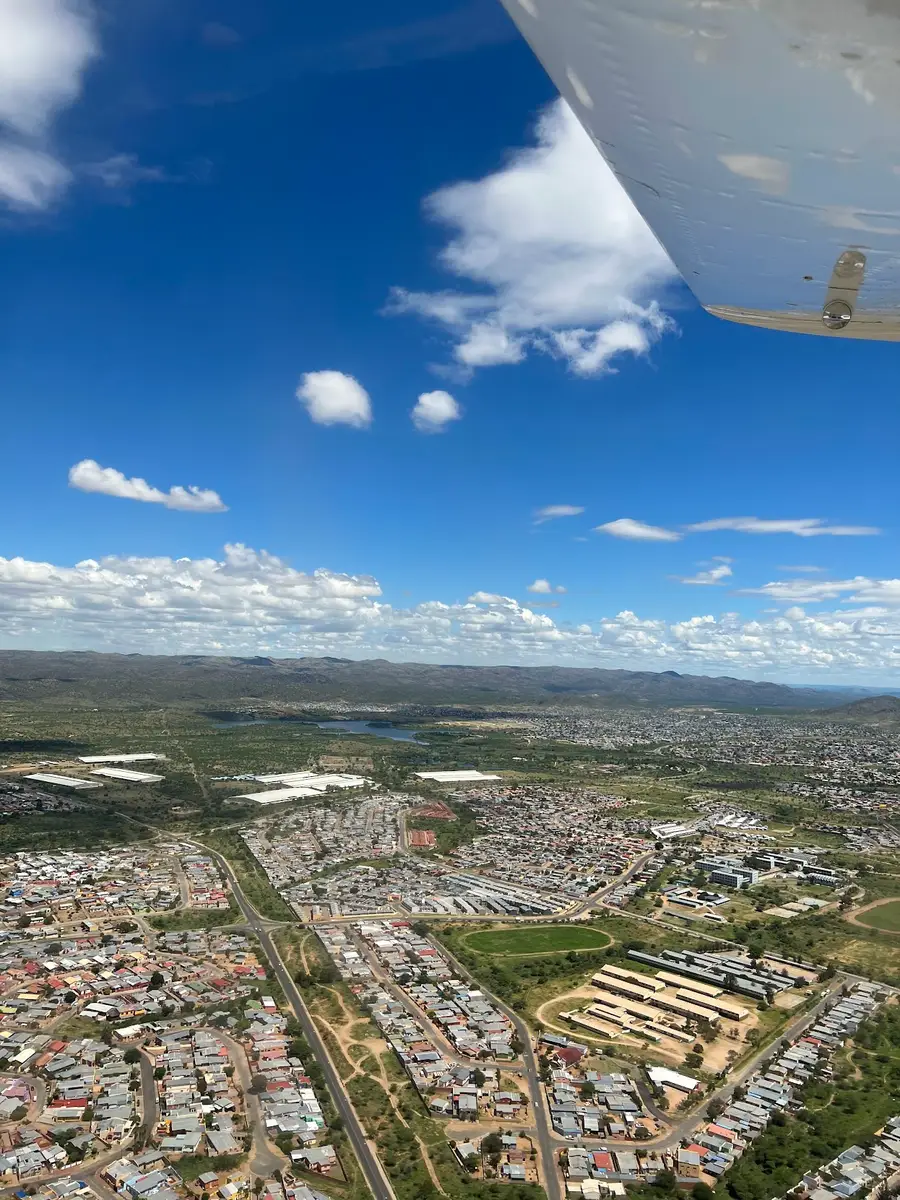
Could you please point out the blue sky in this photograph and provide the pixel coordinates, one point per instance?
(240, 245)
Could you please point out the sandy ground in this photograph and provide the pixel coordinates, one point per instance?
(715, 1054)
(788, 1000)
(374, 1047)
(582, 993)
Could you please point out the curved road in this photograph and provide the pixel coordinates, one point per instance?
(549, 1143)
(369, 1164)
(546, 1149)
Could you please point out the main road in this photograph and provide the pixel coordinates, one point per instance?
(372, 1169)
(546, 1149)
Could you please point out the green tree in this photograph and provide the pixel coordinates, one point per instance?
(491, 1144)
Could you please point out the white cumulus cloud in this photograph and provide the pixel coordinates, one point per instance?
(544, 587)
(434, 411)
(552, 512)
(252, 602)
(555, 258)
(45, 48)
(859, 590)
(801, 527)
(333, 398)
(637, 531)
(89, 476)
(712, 577)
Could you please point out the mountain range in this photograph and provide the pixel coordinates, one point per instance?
(196, 680)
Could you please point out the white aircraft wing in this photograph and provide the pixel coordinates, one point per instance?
(760, 140)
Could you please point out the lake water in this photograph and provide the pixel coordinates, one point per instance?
(382, 731)
(363, 727)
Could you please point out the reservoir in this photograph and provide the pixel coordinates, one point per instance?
(369, 728)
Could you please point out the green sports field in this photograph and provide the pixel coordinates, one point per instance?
(885, 916)
(536, 939)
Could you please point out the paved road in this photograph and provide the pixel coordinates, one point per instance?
(266, 1160)
(687, 1124)
(446, 1047)
(149, 1099)
(598, 897)
(369, 1164)
(540, 1118)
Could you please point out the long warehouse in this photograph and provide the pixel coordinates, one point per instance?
(646, 981)
(732, 1011)
(620, 987)
(694, 984)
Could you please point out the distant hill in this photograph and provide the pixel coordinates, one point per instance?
(874, 709)
(196, 680)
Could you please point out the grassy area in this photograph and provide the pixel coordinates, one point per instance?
(250, 875)
(191, 1166)
(301, 950)
(537, 939)
(449, 835)
(79, 1027)
(828, 938)
(81, 829)
(885, 917)
(526, 982)
(195, 918)
(862, 1096)
(396, 1135)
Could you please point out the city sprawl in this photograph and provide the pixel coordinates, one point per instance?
(568, 953)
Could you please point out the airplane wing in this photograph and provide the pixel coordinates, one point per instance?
(759, 139)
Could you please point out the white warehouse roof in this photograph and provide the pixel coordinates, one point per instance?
(454, 776)
(128, 776)
(663, 1077)
(68, 781)
(301, 783)
(279, 795)
(120, 758)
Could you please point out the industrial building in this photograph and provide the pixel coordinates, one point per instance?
(66, 781)
(100, 759)
(733, 972)
(125, 776)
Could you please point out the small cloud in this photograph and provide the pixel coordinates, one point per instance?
(434, 411)
(637, 531)
(124, 171)
(89, 476)
(214, 33)
(333, 398)
(713, 577)
(804, 570)
(30, 180)
(552, 512)
(544, 587)
(801, 527)
(795, 614)
(45, 47)
(550, 257)
(542, 604)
